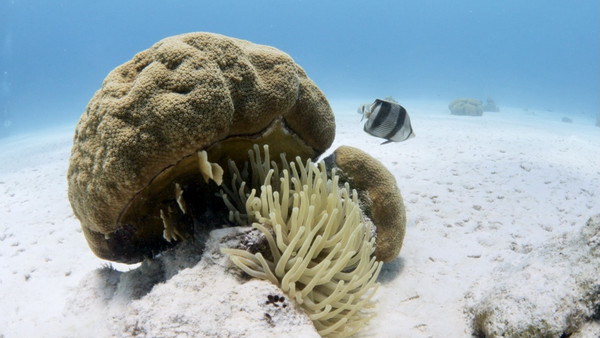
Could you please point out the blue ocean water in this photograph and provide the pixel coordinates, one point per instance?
(539, 54)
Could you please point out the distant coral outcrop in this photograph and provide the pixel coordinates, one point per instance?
(469, 107)
(490, 106)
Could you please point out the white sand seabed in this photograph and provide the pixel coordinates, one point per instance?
(475, 188)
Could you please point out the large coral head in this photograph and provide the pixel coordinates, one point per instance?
(141, 132)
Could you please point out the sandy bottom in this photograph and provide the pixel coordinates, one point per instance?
(476, 189)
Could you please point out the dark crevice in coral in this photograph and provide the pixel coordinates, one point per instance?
(140, 225)
(182, 90)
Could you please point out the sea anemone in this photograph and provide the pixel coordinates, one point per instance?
(320, 250)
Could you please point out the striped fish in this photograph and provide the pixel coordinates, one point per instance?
(387, 120)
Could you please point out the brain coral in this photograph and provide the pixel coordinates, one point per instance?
(135, 146)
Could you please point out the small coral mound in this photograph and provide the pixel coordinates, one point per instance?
(490, 106)
(566, 119)
(319, 247)
(469, 107)
(141, 132)
(379, 196)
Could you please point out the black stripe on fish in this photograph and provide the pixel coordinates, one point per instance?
(381, 112)
(400, 114)
(382, 121)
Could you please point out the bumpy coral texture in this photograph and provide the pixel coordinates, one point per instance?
(379, 195)
(183, 94)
